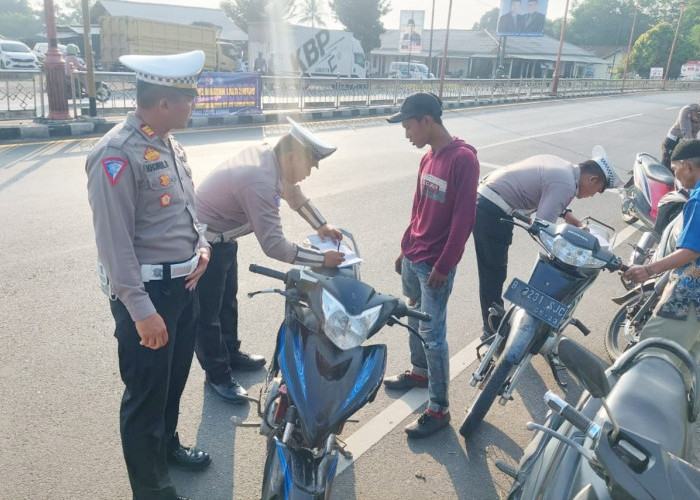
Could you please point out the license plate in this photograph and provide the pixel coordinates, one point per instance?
(537, 303)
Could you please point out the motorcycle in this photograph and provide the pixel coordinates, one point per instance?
(629, 436)
(76, 87)
(652, 194)
(540, 309)
(637, 305)
(321, 373)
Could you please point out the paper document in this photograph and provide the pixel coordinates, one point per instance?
(314, 241)
(600, 234)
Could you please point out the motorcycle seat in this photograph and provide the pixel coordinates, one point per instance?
(650, 399)
(655, 170)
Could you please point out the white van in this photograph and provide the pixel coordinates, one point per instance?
(16, 55)
(400, 69)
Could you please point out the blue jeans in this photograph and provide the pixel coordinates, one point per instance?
(433, 359)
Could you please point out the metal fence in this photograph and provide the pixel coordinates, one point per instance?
(23, 93)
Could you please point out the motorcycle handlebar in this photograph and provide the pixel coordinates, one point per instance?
(578, 419)
(404, 310)
(266, 271)
(521, 217)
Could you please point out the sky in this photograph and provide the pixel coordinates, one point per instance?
(464, 12)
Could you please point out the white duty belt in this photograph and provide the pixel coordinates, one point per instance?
(494, 198)
(672, 137)
(151, 272)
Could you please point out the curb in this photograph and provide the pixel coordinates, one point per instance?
(46, 129)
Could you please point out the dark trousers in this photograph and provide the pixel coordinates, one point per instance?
(492, 237)
(667, 148)
(217, 338)
(154, 381)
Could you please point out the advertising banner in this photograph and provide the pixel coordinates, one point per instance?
(223, 94)
(522, 17)
(411, 30)
(656, 73)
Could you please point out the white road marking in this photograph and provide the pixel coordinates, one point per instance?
(382, 424)
(573, 129)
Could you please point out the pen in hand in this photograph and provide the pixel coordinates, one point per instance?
(339, 245)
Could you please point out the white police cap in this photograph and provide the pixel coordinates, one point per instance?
(319, 150)
(180, 71)
(601, 158)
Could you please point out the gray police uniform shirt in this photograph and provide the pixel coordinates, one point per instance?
(545, 183)
(242, 196)
(142, 198)
(684, 127)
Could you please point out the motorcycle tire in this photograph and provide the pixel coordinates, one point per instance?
(628, 214)
(102, 93)
(615, 339)
(484, 400)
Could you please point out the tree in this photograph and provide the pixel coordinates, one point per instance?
(19, 21)
(605, 22)
(243, 12)
(362, 18)
(70, 12)
(652, 48)
(311, 12)
(488, 21)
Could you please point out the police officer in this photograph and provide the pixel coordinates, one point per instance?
(151, 257)
(686, 126)
(242, 196)
(543, 183)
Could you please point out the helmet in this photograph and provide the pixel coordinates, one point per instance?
(72, 49)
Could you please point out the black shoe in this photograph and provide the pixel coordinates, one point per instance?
(186, 458)
(406, 380)
(487, 337)
(230, 391)
(427, 424)
(246, 362)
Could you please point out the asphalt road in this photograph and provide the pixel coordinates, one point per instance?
(60, 387)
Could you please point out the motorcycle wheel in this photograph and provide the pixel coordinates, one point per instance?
(102, 93)
(616, 341)
(628, 214)
(484, 400)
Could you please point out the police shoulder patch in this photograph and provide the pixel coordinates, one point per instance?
(113, 167)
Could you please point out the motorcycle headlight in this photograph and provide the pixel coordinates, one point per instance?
(569, 253)
(345, 330)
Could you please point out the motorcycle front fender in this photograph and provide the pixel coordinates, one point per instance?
(295, 474)
(522, 332)
(647, 285)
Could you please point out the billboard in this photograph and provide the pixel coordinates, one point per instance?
(411, 30)
(522, 17)
(223, 94)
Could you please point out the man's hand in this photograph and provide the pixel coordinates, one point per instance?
(436, 279)
(192, 278)
(152, 331)
(569, 218)
(326, 231)
(331, 258)
(638, 274)
(398, 263)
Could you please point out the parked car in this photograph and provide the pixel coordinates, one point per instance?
(400, 69)
(41, 48)
(16, 55)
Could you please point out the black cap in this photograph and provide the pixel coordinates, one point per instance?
(686, 150)
(418, 105)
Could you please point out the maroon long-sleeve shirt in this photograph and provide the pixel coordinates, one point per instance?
(444, 207)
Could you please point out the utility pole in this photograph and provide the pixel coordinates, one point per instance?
(89, 61)
(444, 52)
(55, 68)
(557, 67)
(673, 45)
(629, 45)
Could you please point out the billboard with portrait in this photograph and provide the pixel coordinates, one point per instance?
(522, 17)
(411, 30)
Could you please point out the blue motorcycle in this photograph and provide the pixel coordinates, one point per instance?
(321, 373)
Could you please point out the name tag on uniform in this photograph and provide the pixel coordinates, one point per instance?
(278, 200)
(154, 167)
